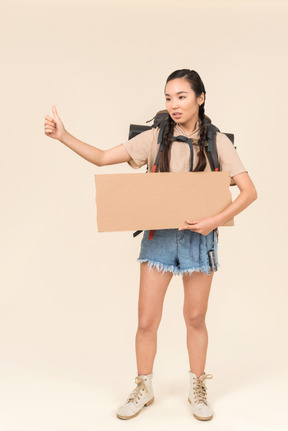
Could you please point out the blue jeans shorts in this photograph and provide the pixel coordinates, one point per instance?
(180, 252)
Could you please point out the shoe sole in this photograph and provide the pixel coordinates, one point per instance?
(133, 416)
(198, 417)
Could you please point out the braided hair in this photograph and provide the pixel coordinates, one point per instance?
(198, 87)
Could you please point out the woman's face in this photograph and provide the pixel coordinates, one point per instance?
(181, 101)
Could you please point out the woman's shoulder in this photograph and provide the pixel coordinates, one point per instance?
(228, 156)
(148, 134)
(142, 138)
(222, 138)
(139, 147)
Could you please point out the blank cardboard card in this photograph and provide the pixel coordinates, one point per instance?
(162, 200)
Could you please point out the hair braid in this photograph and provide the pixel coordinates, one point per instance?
(167, 139)
(203, 135)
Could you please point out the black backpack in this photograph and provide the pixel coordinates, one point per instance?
(209, 145)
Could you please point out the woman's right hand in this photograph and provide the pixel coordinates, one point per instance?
(54, 128)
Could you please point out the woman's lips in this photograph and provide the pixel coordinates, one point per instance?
(176, 115)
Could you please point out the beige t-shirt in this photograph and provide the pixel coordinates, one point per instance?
(143, 149)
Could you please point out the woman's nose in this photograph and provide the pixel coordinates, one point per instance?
(174, 104)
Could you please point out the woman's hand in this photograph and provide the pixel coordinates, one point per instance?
(54, 128)
(247, 195)
(203, 225)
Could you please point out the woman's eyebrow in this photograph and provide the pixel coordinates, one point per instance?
(166, 94)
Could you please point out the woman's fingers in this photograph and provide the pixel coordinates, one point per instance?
(55, 113)
(49, 123)
(49, 118)
(192, 221)
(47, 127)
(50, 126)
(54, 126)
(188, 227)
(192, 225)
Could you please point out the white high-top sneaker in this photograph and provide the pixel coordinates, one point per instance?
(140, 397)
(197, 397)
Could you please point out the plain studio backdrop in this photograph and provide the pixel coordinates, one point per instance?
(69, 294)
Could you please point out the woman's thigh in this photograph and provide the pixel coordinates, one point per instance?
(196, 293)
(153, 287)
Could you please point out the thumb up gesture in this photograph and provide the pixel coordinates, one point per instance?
(54, 128)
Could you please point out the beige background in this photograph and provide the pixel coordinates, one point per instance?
(68, 293)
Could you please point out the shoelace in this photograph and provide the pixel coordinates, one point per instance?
(200, 388)
(136, 393)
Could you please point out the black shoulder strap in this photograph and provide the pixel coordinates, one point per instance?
(137, 232)
(160, 142)
(160, 117)
(211, 149)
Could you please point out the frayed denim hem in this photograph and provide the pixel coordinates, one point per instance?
(205, 269)
(176, 271)
(160, 266)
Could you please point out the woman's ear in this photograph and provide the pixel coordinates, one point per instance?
(201, 99)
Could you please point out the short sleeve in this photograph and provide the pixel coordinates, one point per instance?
(139, 148)
(228, 157)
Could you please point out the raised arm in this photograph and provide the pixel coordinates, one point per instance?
(95, 155)
(55, 129)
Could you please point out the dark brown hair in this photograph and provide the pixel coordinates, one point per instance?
(198, 87)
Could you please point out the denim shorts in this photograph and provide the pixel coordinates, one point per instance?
(178, 251)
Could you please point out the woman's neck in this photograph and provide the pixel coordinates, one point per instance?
(188, 128)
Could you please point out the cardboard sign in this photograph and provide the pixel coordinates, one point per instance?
(162, 200)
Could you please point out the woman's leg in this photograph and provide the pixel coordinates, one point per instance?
(196, 293)
(153, 286)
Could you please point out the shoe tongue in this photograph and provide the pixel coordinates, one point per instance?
(196, 375)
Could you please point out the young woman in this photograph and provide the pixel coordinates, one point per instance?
(181, 251)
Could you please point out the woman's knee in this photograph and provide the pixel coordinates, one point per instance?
(148, 323)
(194, 319)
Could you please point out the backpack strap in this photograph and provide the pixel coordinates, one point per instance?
(211, 149)
(137, 232)
(160, 142)
(189, 141)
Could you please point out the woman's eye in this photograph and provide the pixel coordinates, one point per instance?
(167, 100)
